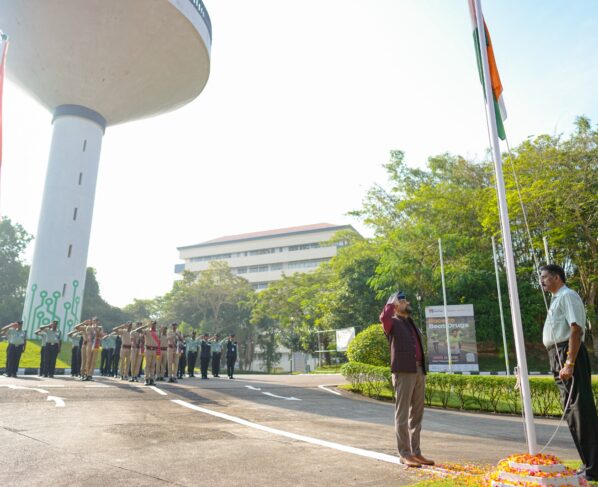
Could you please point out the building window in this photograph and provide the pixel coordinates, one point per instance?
(275, 267)
(242, 270)
(84, 145)
(70, 251)
(80, 178)
(75, 214)
(63, 289)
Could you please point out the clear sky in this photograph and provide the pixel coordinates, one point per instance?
(305, 100)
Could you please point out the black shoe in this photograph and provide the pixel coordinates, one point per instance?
(591, 478)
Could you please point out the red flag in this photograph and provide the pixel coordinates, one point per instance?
(3, 48)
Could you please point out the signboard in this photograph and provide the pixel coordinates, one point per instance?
(463, 345)
(343, 338)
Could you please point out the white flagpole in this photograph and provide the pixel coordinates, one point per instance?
(446, 324)
(507, 243)
(502, 316)
(546, 253)
(3, 42)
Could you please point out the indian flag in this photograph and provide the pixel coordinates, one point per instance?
(499, 103)
(3, 48)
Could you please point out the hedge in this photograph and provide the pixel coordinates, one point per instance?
(482, 393)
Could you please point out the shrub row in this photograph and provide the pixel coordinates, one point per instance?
(482, 393)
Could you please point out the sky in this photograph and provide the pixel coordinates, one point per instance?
(304, 103)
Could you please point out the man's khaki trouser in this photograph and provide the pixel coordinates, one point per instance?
(173, 362)
(409, 410)
(135, 362)
(91, 361)
(125, 361)
(84, 353)
(150, 364)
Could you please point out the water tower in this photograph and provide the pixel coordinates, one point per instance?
(93, 64)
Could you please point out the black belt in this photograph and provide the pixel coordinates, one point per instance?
(557, 345)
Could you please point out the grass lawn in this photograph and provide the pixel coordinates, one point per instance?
(30, 357)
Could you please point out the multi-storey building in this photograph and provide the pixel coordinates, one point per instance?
(264, 257)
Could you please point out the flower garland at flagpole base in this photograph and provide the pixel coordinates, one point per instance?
(524, 470)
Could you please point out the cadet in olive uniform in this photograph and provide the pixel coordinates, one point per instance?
(231, 356)
(182, 347)
(173, 339)
(192, 349)
(162, 357)
(53, 344)
(92, 335)
(75, 338)
(17, 342)
(204, 356)
(42, 350)
(115, 355)
(216, 355)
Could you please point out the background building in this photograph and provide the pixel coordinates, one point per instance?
(263, 257)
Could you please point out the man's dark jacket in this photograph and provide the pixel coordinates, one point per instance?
(398, 331)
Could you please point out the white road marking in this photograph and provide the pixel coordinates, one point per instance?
(53, 385)
(159, 391)
(281, 397)
(307, 439)
(36, 389)
(329, 390)
(254, 388)
(98, 386)
(58, 400)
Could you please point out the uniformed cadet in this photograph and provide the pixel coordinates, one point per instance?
(92, 338)
(108, 344)
(76, 338)
(173, 343)
(204, 356)
(162, 357)
(182, 351)
(216, 355)
(52, 349)
(115, 355)
(42, 350)
(192, 349)
(231, 356)
(124, 332)
(17, 343)
(136, 353)
(152, 349)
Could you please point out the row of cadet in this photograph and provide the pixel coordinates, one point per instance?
(166, 352)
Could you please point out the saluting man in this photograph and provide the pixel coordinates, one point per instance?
(152, 350)
(204, 356)
(136, 353)
(162, 359)
(42, 351)
(231, 355)
(75, 338)
(173, 337)
(124, 331)
(52, 347)
(216, 355)
(16, 346)
(192, 349)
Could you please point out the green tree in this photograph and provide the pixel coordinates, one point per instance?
(370, 347)
(94, 304)
(13, 281)
(143, 309)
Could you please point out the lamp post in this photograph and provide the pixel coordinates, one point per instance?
(292, 342)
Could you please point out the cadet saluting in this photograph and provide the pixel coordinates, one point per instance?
(231, 355)
(204, 356)
(52, 337)
(16, 346)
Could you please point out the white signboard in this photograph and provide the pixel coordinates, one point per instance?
(343, 338)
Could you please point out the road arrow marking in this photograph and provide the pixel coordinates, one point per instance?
(329, 390)
(254, 388)
(58, 400)
(12, 386)
(281, 397)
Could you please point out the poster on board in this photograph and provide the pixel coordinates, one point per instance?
(462, 340)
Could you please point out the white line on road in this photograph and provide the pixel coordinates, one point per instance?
(58, 400)
(53, 385)
(307, 439)
(36, 389)
(159, 391)
(329, 390)
(98, 386)
(254, 388)
(281, 397)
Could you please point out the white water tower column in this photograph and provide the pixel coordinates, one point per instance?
(57, 276)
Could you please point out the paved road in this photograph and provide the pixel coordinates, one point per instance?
(254, 430)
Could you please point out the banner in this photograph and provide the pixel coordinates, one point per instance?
(463, 345)
(343, 338)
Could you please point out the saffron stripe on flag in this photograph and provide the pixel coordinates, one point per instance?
(497, 89)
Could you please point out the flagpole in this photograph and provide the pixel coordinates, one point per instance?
(3, 48)
(506, 234)
(446, 323)
(546, 253)
(502, 317)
